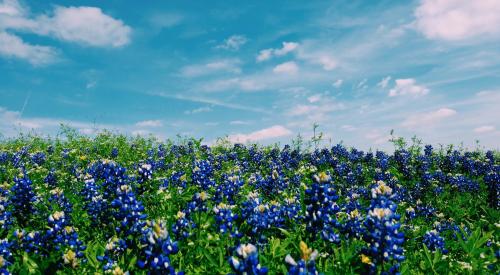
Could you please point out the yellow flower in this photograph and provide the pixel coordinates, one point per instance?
(83, 157)
(2, 261)
(180, 215)
(380, 212)
(118, 271)
(307, 253)
(203, 196)
(365, 259)
(354, 214)
(70, 258)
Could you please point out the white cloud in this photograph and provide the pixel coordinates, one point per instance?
(233, 83)
(328, 62)
(225, 65)
(428, 119)
(337, 83)
(289, 67)
(455, 20)
(11, 8)
(264, 55)
(408, 86)
(85, 25)
(484, 129)
(275, 131)
(233, 43)
(384, 82)
(198, 110)
(13, 46)
(314, 98)
(286, 48)
(149, 123)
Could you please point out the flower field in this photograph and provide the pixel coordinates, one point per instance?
(113, 204)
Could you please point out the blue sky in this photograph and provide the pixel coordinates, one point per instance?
(262, 71)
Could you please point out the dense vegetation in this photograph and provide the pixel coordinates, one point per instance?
(115, 204)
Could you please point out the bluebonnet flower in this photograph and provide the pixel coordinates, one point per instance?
(461, 231)
(5, 256)
(32, 242)
(5, 214)
(113, 250)
(4, 157)
(434, 242)
(410, 213)
(145, 172)
(321, 208)
(228, 189)
(51, 178)
(198, 203)
(271, 185)
(492, 180)
(224, 218)
(382, 231)
(95, 205)
(464, 184)
(177, 179)
(353, 224)
(261, 216)
(157, 246)
(306, 265)
(428, 150)
(183, 225)
(22, 198)
(17, 159)
(57, 197)
(114, 152)
(127, 211)
(63, 237)
(38, 158)
(202, 174)
(291, 209)
(246, 261)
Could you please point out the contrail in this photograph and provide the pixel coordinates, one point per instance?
(25, 103)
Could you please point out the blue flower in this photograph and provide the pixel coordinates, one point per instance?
(225, 218)
(306, 265)
(246, 261)
(156, 248)
(5, 256)
(22, 198)
(434, 242)
(382, 231)
(321, 208)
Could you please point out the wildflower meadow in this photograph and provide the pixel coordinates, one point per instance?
(112, 204)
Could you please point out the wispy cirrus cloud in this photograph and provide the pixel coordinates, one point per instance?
(233, 43)
(214, 67)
